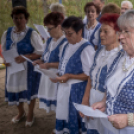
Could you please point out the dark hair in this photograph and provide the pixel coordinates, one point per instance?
(73, 22)
(54, 18)
(111, 8)
(110, 19)
(20, 10)
(89, 4)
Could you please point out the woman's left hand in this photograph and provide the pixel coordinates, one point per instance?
(119, 121)
(64, 78)
(19, 59)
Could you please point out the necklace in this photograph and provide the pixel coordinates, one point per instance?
(91, 27)
(124, 68)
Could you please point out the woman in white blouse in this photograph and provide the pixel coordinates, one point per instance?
(119, 100)
(109, 52)
(75, 62)
(21, 83)
(50, 59)
(91, 29)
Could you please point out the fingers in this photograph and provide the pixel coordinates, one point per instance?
(96, 106)
(34, 63)
(111, 118)
(19, 59)
(81, 114)
(53, 80)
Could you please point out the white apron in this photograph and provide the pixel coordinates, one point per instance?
(62, 109)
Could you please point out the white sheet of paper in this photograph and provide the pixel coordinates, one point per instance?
(27, 59)
(9, 56)
(15, 67)
(50, 73)
(43, 32)
(88, 111)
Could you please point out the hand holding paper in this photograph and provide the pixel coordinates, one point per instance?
(50, 73)
(9, 57)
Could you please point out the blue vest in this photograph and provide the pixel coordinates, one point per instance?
(93, 36)
(124, 102)
(54, 55)
(74, 65)
(23, 46)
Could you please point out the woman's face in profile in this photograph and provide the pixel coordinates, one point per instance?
(126, 36)
(108, 35)
(19, 20)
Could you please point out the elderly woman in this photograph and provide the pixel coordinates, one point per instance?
(75, 62)
(21, 85)
(91, 29)
(103, 59)
(120, 92)
(50, 59)
(58, 7)
(126, 5)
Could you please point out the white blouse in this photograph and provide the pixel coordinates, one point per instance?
(36, 40)
(86, 56)
(88, 33)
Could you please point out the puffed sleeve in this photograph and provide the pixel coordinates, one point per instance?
(37, 43)
(61, 48)
(3, 41)
(87, 57)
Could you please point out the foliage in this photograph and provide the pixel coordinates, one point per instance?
(35, 7)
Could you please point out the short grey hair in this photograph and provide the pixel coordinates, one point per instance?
(57, 7)
(126, 19)
(128, 2)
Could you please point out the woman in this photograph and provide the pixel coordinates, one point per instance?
(50, 60)
(109, 52)
(120, 92)
(111, 8)
(91, 29)
(75, 62)
(22, 86)
(58, 7)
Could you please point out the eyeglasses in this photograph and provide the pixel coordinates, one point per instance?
(125, 33)
(68, 34)
(49, 29)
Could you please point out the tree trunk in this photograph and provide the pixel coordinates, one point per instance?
(46, 8)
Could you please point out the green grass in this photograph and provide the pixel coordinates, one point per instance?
(35, 8)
